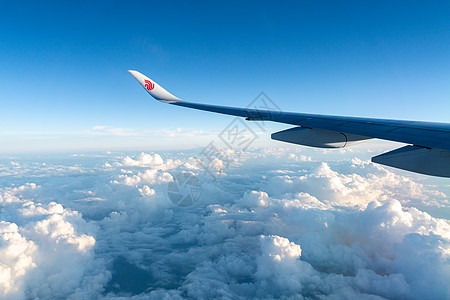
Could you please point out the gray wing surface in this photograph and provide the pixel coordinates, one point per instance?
(425, 134)
(428, 151)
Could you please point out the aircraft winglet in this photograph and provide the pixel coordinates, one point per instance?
(154, 89)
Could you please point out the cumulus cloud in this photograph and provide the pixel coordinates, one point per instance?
(149, 176)
(16, 259)
(48, 251)
(10, 194)
(278, 225)
(144, 159)
(363, 183)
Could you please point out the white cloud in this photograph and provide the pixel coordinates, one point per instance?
(362, 184)
(16, 259)
(45, 254)
(275, 227)
(10, 194)
(144, 159)
(151, 176)
(33, 209)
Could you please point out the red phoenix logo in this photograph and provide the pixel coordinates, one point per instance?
(149, 85)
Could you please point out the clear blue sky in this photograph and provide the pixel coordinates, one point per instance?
(63, 64)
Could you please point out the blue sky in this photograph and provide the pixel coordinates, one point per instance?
(63, 65)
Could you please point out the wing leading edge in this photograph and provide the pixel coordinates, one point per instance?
(430, 153)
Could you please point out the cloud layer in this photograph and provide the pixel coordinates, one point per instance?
(275, 224)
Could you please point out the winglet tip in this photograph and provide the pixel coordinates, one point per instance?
(154, 89)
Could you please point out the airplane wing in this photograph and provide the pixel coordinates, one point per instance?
(428, 151)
